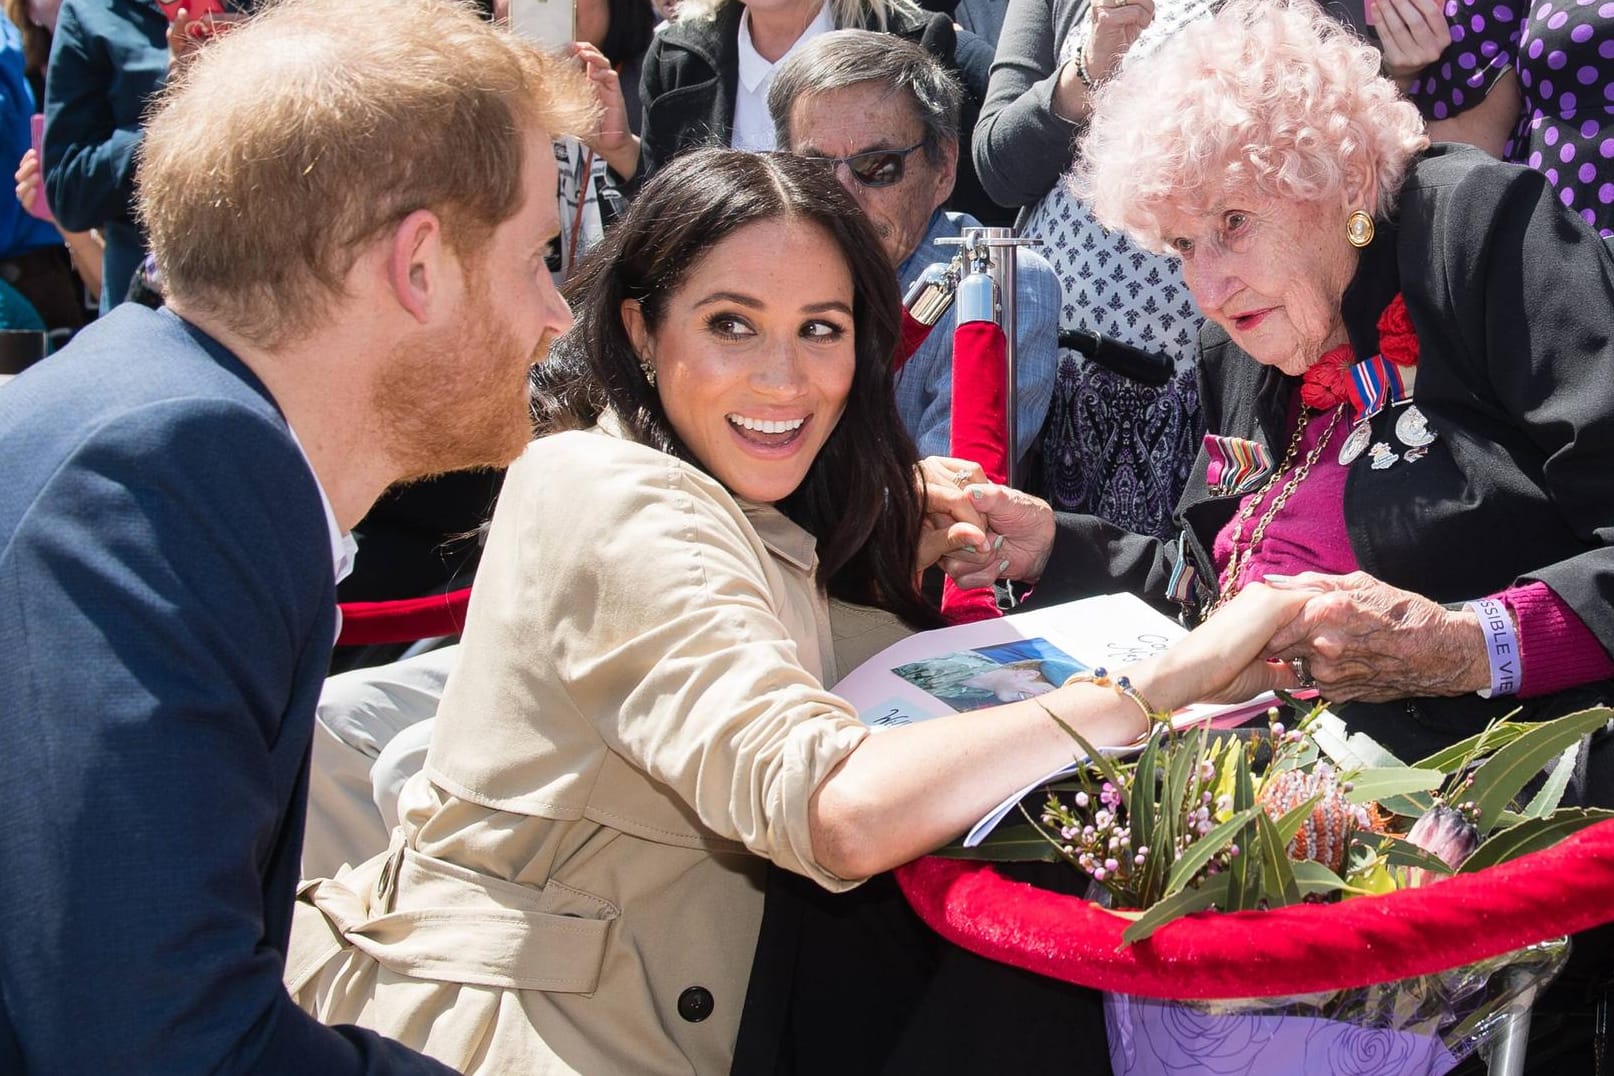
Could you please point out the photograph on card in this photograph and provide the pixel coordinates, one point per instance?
(992, 675)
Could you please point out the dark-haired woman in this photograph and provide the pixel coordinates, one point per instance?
(638, 723)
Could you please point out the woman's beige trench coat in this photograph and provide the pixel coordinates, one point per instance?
(636, 724)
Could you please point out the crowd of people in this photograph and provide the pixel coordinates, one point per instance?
(620, 320)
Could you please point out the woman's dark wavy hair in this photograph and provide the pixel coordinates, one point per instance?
(859, 498)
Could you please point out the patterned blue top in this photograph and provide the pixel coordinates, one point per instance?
(1563, 54)
(925, 385)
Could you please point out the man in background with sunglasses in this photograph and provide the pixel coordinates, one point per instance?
(883, 113)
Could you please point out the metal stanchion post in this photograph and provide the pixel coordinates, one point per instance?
(997, 245)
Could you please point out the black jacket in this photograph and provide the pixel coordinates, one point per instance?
(691, 75)
(1511, 296)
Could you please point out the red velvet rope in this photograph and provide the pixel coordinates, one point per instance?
(1299, 949)
(405, 621)
(980, 425)
(914, 333)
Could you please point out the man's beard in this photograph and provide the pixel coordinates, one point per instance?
(458, 399)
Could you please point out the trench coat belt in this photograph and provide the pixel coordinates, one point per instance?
(428, 919)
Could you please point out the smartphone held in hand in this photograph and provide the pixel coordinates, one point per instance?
(38, 206)
(548, 22)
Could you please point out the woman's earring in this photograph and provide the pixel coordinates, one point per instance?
(1359, 229)
(649, 372)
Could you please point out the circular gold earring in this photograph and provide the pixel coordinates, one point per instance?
(1359, 229)
(649, 372)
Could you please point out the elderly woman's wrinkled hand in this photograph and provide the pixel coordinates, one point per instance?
(1412, 35)
(1359, 638)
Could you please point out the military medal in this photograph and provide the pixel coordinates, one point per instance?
(1382, 456)
(1360, 435)
(1412, 429)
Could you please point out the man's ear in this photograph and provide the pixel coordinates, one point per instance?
(417, 263)
(947, 171)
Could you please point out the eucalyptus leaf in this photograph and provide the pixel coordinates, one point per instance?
(1552, 789)
(1008, 843)
(1369, 786)
(1213, 891)
(1498, 736)
(1096, 759)
(1413, 805)
(1374, 754)
(1141, 804)
(1244, 869)
(1532, 835)
(1196, 855)
(1312, 877)
(1333, 740)
(1506, 772)
(1278, 876)
(1403, 853)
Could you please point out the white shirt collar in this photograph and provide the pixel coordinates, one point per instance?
(754, 69)
(344, 547)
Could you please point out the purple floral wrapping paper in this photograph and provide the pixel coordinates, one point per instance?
(1165, 1038)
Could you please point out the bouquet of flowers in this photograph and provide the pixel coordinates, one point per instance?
(1261, 818)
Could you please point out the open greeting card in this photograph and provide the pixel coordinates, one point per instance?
(975, 666)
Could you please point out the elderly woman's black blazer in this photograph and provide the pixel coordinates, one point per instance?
(1512, 296)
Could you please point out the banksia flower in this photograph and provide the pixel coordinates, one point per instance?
(1325, 836)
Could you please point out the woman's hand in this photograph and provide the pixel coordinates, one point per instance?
(950, 522)
(29, 179)
(1222, 660)
(979, 531)
(1116, 24)
(613, 139)
(1363, 639)
(1412, 35)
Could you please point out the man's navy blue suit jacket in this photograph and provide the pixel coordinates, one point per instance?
(167, 609)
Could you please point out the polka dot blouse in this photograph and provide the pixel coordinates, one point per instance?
(1563, 54)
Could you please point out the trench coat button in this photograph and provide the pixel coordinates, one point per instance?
(696, 1004)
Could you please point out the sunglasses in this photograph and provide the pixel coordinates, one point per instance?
(875, 167)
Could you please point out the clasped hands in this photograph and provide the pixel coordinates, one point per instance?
(1357, 638)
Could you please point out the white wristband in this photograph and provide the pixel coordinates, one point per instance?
(1501, 646)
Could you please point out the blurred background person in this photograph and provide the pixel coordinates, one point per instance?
(707, 75)
(884, 116)
(107, 60)
(36, 281)
(1531, 83)
(1114, 447)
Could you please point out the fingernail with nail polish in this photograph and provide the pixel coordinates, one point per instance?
(997, 543)
(1003, 565)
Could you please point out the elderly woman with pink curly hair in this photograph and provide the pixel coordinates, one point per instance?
(1405, 374)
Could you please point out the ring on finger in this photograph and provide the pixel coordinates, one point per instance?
(961, 479)
(1302, 672)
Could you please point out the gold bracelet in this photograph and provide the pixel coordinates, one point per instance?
(1123, 686)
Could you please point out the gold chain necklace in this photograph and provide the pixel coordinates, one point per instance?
(1240, 559)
